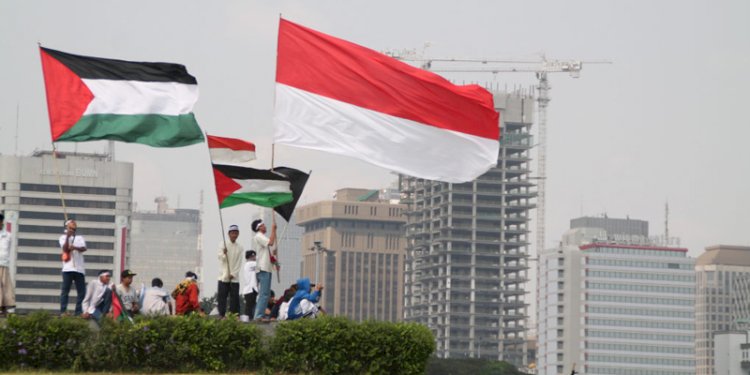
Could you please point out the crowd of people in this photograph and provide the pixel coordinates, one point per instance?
(102, 298)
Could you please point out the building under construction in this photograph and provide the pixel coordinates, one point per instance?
(467, 248)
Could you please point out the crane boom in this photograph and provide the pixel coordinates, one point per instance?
(541, 67)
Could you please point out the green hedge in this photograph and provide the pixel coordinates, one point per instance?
(188, 344)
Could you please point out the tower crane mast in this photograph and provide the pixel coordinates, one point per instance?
(541, 67)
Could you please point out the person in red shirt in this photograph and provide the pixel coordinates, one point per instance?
(186, 295)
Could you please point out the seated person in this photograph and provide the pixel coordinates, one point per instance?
(156, 301)
(186, 296)
(98, 299)
(303, 303)
(286, 297)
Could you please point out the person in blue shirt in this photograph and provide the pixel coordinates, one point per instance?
(303, 304)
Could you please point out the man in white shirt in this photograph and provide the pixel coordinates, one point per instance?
(250, 283)
(7, 293)
(156, 301)
(230, 261)
(73, 246)
(262, 246)
(127, 293)
(98, 300)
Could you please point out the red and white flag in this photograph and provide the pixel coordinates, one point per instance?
(230, 151)
(339, 97)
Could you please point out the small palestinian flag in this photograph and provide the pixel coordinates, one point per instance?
(91, 98)
(230, 151)
(118, 312)
(237, 185)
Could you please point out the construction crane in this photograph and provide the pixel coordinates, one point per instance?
(541, 67)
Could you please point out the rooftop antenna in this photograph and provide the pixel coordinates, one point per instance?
(666, 222)
(18, 110)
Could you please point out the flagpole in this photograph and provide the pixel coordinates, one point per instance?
(218, 205)
(59, 181)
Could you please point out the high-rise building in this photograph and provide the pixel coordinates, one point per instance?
(615, 308)
(720, 276)
(732, 350)
(164, 244)
(290, 251)
(354, 246)
(97, 193)
(467, 249)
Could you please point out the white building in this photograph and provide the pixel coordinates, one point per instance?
(98, 195)
(164, 244)
(732, 353)
(722, 298)
(615, 308)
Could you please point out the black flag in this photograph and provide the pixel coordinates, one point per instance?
(297, 179)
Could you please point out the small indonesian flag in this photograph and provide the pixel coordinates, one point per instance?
(237, 185)
(335, 96)
(230, 151)
(91, 98)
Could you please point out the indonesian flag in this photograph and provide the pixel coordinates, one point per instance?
(91, 98)
(230, 151)
(237, 185)
(333, 95)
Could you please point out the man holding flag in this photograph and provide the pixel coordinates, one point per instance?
(262, 246)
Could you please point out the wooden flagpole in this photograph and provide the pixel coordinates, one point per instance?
(218, 205)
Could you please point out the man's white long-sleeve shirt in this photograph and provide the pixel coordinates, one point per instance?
(235, 256)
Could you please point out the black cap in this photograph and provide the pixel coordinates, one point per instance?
(191, 274)
(127, 273)
(249, 253)
(2, 217)
(157, 282)
(256, 225)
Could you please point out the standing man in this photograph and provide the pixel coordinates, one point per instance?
(250, 283)
(73, 269)
(265, 268)
(98, 300)
(127, 293)
(7, 293)
(230, 261)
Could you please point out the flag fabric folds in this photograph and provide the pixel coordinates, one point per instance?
(237, 185)
(335, 96)
(230, 151)
(297, 181)
(91, 98)
(118, 312)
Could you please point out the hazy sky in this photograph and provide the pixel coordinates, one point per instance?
(665, 122)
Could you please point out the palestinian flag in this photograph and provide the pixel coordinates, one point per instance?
(230, 151)
(91, 98)
(237, 185)
(118, 312)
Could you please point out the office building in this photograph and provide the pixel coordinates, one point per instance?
(467, 249)
(97, 193)
(721, 290)
(164, 244)
(615, 308)
(354, 245)
(732, 352)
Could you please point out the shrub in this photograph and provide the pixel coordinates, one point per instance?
(339, 346)
(40, 341)
(195, 344)
(177, 344)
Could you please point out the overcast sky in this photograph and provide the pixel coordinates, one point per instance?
(666, 122)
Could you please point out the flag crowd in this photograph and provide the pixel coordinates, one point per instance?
(331, 95)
